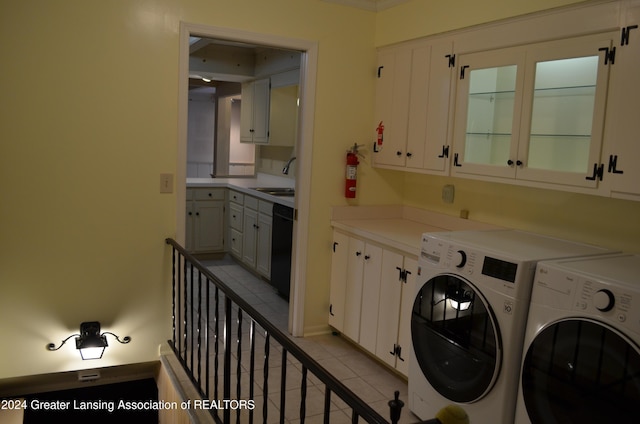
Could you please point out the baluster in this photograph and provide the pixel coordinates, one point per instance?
(239, 364)
(303, 395)
(226, 390)
(265, 388)
(252, 356)
(283, 385)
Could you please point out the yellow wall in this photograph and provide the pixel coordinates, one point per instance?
(88, 121)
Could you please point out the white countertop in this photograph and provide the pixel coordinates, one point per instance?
(245, 185)
(398, 227)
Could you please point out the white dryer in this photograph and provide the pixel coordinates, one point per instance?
(581, 358)
(468, 319)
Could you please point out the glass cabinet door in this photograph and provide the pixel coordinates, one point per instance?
(563, 112)
(488, 111)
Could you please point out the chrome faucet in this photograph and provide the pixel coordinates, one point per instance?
(285, 170)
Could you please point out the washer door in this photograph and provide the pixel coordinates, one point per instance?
(455, 338)
(581, 371)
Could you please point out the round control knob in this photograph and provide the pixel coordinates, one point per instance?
(461, 259)
(604, 300)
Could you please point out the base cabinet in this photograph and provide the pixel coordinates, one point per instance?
(371, 297)
(205, 220)
(250, 228)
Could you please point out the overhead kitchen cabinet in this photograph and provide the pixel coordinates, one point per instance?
(254, 112)
(622, 133)
(205, 220)
(413, 92)
(534, 115)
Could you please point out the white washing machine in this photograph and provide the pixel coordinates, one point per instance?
(469, 316)
(581, 358)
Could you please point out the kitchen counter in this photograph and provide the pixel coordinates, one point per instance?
(245, 185)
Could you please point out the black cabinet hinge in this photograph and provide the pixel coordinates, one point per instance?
(609, 54)
(613, 165)
(445, 152)
(462, 71)
(598, 171)
(624, 37)
(397, 351)
(452, 60)
(455, 160)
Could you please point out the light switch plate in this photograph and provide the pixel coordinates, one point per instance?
(166, 183)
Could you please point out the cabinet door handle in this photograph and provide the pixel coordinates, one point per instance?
(452, 60)
(190, 213)
(335, 243)
(358, 253)
(609, 54)
(455, 160)
(409, 154)
(519, 163)
(398, 153)
(197, 213)
(366, 257)
(445, 152)
(510, 162)
(380, 70)
(400, 273)
(331, 310)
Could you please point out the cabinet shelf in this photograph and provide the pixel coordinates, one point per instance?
(578, 90)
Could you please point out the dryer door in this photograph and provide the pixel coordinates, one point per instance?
(455, 338)
(581, 371)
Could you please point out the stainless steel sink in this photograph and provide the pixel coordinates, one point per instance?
(276, 191)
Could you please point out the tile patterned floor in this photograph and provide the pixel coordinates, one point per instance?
(370, 380)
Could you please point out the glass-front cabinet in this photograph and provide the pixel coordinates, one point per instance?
(534, 113)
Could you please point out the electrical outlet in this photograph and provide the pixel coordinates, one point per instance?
(166, 183)
(447, 193)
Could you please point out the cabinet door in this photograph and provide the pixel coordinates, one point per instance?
(488, 105)
(249, 237)
(261, 111)
(254, 112)
(263, 245)
(337, 294)
(622, 145)
(353, 290)
(246, 113)
(406, 305)
(392, 105)
(370, 296)
(428, 129)
(563, 111)
(390, 291)
(209, 226)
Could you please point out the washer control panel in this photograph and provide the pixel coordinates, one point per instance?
(558, 289)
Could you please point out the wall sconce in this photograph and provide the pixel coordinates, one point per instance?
(90, 342)
(459, 299)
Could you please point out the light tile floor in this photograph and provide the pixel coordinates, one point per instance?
(367, 378)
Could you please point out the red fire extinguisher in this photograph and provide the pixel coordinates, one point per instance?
(352, 171)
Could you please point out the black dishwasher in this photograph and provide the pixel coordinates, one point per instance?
(281, 240)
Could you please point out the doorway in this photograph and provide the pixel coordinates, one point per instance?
(308, 65)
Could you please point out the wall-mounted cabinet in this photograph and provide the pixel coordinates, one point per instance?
(622, 132)
(413, 92)
(254, 112)
(508, 103)
(533, 113)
